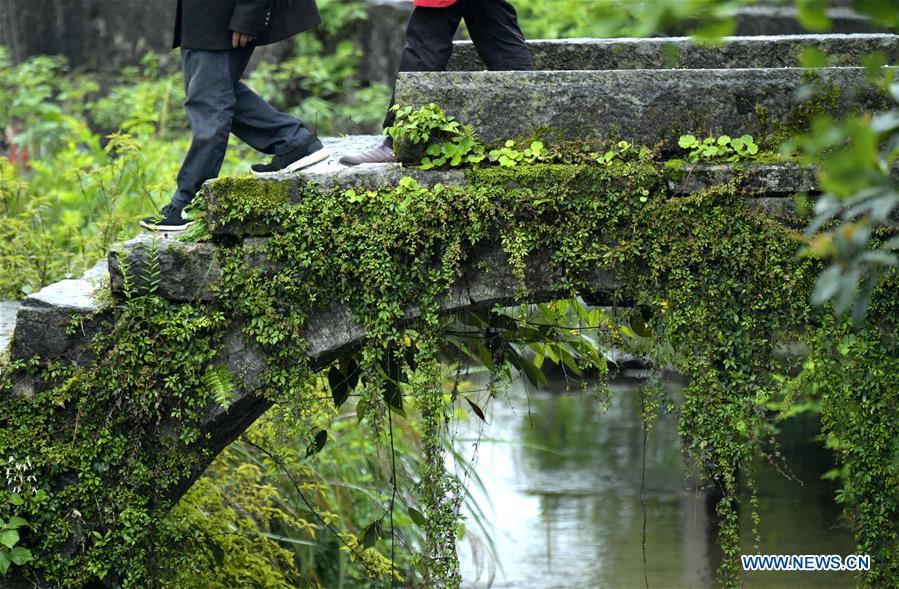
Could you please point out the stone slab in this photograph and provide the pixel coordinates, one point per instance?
(8, 310)
(782, 210)
(186, 271)
(769, 180)
(328, 175)
(59, 321)
(642, 106)
(683, 53)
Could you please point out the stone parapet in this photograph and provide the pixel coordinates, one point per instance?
(686, 53)
(58, 321)
(647, 107)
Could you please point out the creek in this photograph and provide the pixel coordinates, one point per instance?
(562, 499)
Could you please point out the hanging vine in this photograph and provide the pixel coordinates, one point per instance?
(719, 292)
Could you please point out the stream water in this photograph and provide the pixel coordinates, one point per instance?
(562, 501)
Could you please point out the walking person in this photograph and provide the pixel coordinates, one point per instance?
(493, 27)
(217, 39)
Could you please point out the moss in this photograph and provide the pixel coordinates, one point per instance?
(823, 102)
(243, 200)
(674, 169)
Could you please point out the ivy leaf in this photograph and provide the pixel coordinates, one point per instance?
(477, 410)
(340, 391)
(371, 534)
(4, 563)
(417, 517)
(20, 555)
(342, 379)
(687, 141)
(15, 523)
(9, 538)
(321, 438)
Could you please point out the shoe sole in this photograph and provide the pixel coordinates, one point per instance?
(183, 227)
(353, 163)
(310, 160)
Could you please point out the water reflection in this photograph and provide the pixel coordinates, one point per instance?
(563, 502)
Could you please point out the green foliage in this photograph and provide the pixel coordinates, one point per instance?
(724, 148)
(507, 156)
(462, 149)
(707, 19)
(318, 81)
(10, 551)
(718, 290)
(858, 157)
(145, 101)
(716, 287)
(422, 125)
(447, 143)
(853, 375)
(77, 191)
(621, 18)
(624, 151)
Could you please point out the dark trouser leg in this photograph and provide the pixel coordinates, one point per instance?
(217, 104)
(210, 109)
(429, 43)
(493, 26)
(256, 122)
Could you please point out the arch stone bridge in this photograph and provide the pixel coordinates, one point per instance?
(644, 91)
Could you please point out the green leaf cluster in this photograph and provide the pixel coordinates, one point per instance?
(721, 149)
(10, 551)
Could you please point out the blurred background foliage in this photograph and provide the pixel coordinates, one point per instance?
(86, 155)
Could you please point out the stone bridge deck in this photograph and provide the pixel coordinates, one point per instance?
(191, 269)
(626, 89)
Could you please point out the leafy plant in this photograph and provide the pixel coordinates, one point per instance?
(723, 148)
(460, 150)
(420, 125)
(623, 151)
(850, 225)
(10, 551)
(507, 156)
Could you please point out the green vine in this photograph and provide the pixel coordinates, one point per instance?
(717, 287)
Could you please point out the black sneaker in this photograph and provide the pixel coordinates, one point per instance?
(170, 219)
(301, 157)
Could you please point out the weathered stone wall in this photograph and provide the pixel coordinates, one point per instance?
(645, 107)
(683, 53)
(108, 34)
(382, 38)
(96, 34)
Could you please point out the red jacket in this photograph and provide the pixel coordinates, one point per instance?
(434, 3)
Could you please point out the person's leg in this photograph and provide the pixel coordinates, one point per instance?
(493, 27)
(210, 109)
(256, 122)
(429, 45)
